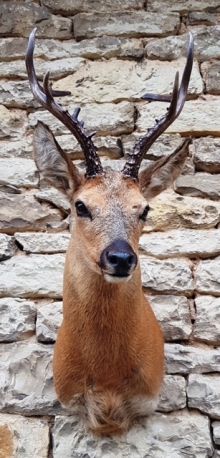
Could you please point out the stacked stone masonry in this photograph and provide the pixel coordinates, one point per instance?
(108, 53)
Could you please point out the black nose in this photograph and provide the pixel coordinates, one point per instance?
(118, 259)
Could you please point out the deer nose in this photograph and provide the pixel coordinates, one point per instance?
(118, 259)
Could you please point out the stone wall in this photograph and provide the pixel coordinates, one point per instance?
(108, 53)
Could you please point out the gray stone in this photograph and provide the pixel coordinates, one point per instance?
(185, 359)
(18, 172)
(216, 432)
(181, 242)
(18, 18)
(207, 154)
(17, 318)
(15, 433)
(173, 315)
(153, 437)
(7, 247)
(171, 211)
(21, 212)
(113, 81)
(127, 24)
(16, 94)
(202, 17)
(106, 146)
(191, 121)
(206, 45)
(163, 146)
(203, 393)
(168, 276)
(26, 384)
(41, 276)
(207, 311)
(55, 197)
(207, 276)
(172, 393)
(58, 68)
(182, 6)
(49, 318)
(200, 185)
(105, 119)
(13, 123)
(43, 242)
(18, 148)
(71, 7)
(210, 72)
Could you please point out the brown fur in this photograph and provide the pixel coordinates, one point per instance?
(108, 360)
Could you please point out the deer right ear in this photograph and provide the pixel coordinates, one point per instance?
(53, 164)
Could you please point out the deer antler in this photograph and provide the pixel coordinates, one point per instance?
(45, 96)
(177, 100)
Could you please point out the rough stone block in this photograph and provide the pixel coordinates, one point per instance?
(207, 275)
(154, 436)
(187, 359)
(172, 393)
(41, 276)
(209, 72)
(17, 318)
(127, 24)
(163, 146)
(49, 318)
(203, 393)
(216, 432)
(13, 123)
(54, 197)
(200, 185)
(42, 242)
(181, 242)
(15, 434)
(18, 172)
(207, 154)
(72, 7)
(106, 146)
(168, 276)
(207, 311)
(17, 148)
(182, 6)
(7, 247)
(173, 314)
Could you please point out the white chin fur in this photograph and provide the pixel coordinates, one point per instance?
(111, 279)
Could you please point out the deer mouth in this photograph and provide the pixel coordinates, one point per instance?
(114, 278)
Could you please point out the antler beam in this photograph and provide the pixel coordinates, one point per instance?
(45, 96)
(177, 99)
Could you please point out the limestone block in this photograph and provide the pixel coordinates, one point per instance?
(17, 148)
(26, 384)
(18, 18)
(173, 314)
(163, 146)
(55, 197)
(18, 172)
(200, 185)
(203, 17)
(170, 211)
(106, 146)
(182, 6)
(207, 311)
(203, 393)
(191, 121)
(73, 7)
(16, 94)
(36, 242)
(207, 276)
(22, 213)
(17, 318)
(209, 72)
(12, 48)
(206, 40)
(172, 393)
(207, 154)
(105, 119)
(168, 276)
(113, 81)
(154, 436)
(216, 432)
(13, 123)
(127, 24)
(15, 434)
(49, 318)
(7, 247)
(41, 276)
(181, 242)
(58, 68)
(182, 359)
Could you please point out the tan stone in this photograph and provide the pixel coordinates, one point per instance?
(126, 24)
(200, 185)
(207, 154)
(163, 146)
(13, 123)
(55, 197)
(115, 80)
(209, 72)
(35, 242)
(68, 7)
(16, 94)
(18, 172)
(182, 5)
(106, 146)
(17, 148)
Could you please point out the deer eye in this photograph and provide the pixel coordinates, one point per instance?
(81, 209)
(143, 216)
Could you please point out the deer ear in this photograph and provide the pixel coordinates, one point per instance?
(53, 164)
(160, 175)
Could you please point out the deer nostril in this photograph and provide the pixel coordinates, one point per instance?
(113, 259)
(131, 260)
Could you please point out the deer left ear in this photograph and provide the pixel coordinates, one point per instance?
(160, 175)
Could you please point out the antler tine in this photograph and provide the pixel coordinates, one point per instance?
(45, 96)
(177, 100)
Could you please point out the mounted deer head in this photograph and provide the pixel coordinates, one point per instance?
(108, 360)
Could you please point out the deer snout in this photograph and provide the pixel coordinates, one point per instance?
(118, 259)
